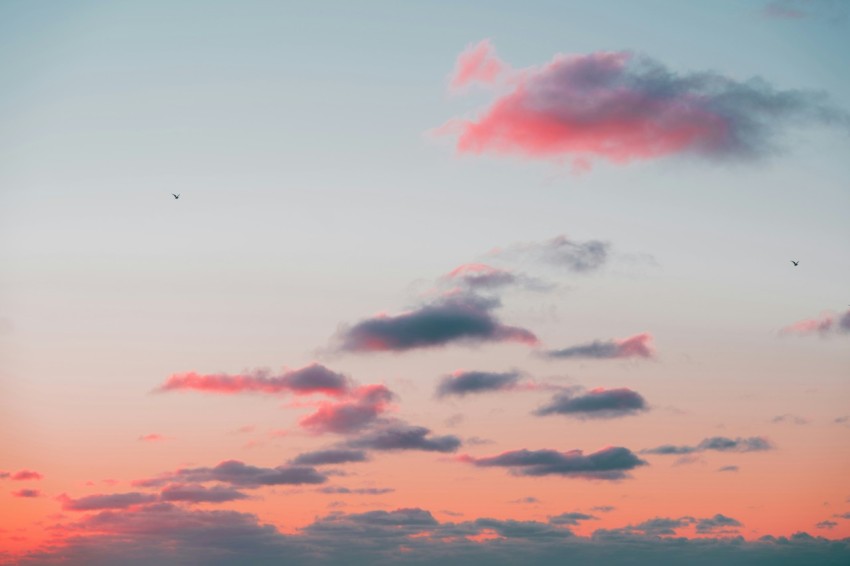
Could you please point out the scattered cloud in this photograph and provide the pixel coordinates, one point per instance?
(314, 378)
(153, 437)
(728, 469)
(623, 107)
(612, 463)
(717, 524)
(26, 475)
(597, 403)
(453, 319)
(826, 524)
(571, 518)
(366, 405)
(461, 383)
(477, 63)
(475, 277)
(357, 491)
(829, 324)
(239, 474)
(638, 346)
(330, 456)
(26, 493)
(106, 501)
(793, 419)
(716, 443)
(196, 493)
(562, 252)
(400, 436)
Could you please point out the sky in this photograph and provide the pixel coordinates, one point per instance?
(479, 282)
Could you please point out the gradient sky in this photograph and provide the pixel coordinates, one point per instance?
(473, 282)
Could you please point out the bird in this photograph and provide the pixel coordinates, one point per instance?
(177, 196)
(795, 262)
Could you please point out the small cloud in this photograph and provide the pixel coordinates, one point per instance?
(153, 437)
(792, 419)
(716, 443)
(638, 346)
(571, 518)
(28, 493)
(26, 475)
(597, 403)
(827, 524)
(462, 383)
(610, 463)
(829, 324)
(728, 469)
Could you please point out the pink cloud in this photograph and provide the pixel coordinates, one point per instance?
(26, 493)
(314, 378)
(153, 437)
(367, 404)
(478, 63)
(639, 346)
(24, 475)
(622, 107)
(828, 323)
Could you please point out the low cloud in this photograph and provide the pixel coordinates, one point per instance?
(454, 319)
(462, 383)
(638, 346)
(715, 443)
(314, 378)
(612, 463)
(597, 403)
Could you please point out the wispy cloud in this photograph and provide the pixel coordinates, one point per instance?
(827, 325)
(314, 378)
(715, 443)
(638, 346)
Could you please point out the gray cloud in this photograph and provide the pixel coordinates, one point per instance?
(106, 501)
(338, 490)
(195, 493)
(463, 383)
(331, 456)
(597, 403)
(610, 463)
(239, 474)
(715, 443)
(571, 518)
(401, 436)
(638, 346)
(459, 319)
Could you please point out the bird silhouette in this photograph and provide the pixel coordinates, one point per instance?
(177, 196)
(795, 262)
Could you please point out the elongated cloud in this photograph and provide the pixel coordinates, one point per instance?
(560, 251)
(638, 346)
(239, 474)
(478, 63)
(622, 107)
(463, 319)
(106, 501)
(356, 491)
(331, 456)
(717, 444)
(462, 383)
(196, 493)
(597, 403)
(26, 475)
(828, 324)
(27, 493)
(612, 463)
(571, 518)
(481, 276)
(401, 436)
(314, 378)
(718, 523)
(368, 402)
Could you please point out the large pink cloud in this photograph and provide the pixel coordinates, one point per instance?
(314, 378)
(622, 107)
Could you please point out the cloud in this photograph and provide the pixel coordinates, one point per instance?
(400, 436)
(331, 456)
(106, 501)
(597, 403)
(610, 463)
(196, 493)
(562, 252)
(477, 63)
(461, 383)
(314, 378)
(465, 319)
(153, 437)
(832, 10)
(728, 469)
(623, 107)
(827, 524)
(716, 443)
(829, 324)
(571, 518)
(368, 402)
(239, 474)
(482, 277)
(26, 475)
(28, 493)
(786, 418)
(604, 508)
(716, 524)
(357, 491)
(638, 346)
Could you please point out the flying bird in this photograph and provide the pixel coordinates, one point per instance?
(795, 262)
(177, 196)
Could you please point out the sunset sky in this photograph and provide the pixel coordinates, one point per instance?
(458, 282)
